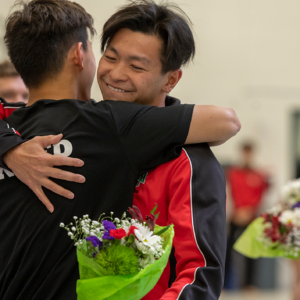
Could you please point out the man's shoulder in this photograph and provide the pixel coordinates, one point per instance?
(197, 155)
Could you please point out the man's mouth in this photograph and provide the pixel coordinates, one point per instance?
(115, 89)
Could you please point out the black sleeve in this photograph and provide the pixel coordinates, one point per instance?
(208, 190)
(8, 139)
(151, 135)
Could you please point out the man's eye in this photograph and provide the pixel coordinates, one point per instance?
(110, 58)
(137, 68)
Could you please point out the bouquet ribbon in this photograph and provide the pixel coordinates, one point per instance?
(94, 284)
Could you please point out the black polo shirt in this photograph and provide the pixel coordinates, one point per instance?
(118, 141)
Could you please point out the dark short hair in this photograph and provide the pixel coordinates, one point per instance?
(166, 21)
(247, 146)
(40, 34)
(7, 69)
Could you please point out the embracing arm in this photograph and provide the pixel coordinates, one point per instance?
(33, 166)
(213, 125)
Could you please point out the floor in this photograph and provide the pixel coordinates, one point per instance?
(256, 295)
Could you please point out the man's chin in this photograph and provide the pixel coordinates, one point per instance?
(120, 97)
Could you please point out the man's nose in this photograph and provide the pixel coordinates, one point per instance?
(118, 72)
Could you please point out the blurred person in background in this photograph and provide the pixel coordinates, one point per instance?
(13, 92)
(12, 87)
(246, 186)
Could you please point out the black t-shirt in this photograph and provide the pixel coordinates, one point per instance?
(118, 141)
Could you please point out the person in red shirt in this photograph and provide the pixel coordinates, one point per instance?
(247, 186)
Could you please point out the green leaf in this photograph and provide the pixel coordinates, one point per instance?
(156, 216)
(163, 230)
(154, 209)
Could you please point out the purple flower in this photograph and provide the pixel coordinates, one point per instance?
(296, 205)
(95, 241)
(108, 226)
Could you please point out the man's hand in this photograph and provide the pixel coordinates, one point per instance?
(33, 166)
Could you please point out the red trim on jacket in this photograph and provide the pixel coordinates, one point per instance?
(169, 185)
(5, 111)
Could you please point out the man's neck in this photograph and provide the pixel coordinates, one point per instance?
(58, 89)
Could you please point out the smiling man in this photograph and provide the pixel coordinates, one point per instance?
(118, 141)
(144, 46)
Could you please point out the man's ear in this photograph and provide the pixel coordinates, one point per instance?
(78, 56)
(173, 78)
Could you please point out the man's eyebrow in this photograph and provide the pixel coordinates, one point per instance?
(112, 49)
(140, 58)
(132, 57)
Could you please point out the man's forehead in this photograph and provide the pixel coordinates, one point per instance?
(9, 82)
(131, 55)
(143, 47)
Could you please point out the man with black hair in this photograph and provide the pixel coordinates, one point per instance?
(123, 142)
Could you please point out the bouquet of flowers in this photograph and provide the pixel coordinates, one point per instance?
(276, 232)
(119, 258)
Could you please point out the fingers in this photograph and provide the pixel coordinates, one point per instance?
(58, 160)
(48, 140)
(55, 188)
(42, 197)
(64, 175)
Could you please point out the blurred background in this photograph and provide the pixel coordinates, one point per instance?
(248, 58)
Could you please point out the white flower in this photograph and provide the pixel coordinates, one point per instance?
(61, 225)
(275, 210)
(296, 221)
(291, 192)
(287, 217)
(146, 241)
(75, 218)
(73, 228)
(70, 234)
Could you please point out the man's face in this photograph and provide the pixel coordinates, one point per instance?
(130, 69)
(13, 89)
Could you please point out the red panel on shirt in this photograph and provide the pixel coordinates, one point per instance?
(169, 186)
(5, 112)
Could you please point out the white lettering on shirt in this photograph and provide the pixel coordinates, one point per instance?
(63, 148)
(8, 173)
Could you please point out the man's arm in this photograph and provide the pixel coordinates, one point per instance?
(209, 123)
(212, 124)
(197, 209)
